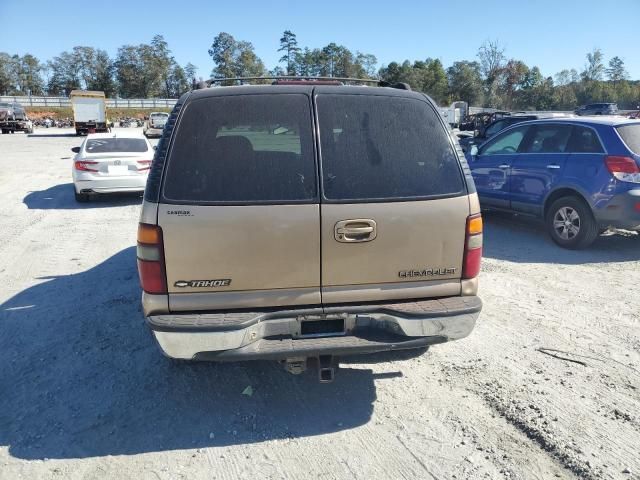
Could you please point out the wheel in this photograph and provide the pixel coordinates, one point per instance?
(81, 197)
(571, 224)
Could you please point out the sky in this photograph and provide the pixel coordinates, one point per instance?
(550, 34)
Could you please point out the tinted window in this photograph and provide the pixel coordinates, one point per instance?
(379, 147)
(112, 145)
(495, 128)
(243, 148)
(584, 140)
(548, 139)
(631, 136)
(506, 143)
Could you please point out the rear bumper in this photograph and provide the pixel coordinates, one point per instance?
(277, 335)
(622, 211)
(132, 183)
(153, 132)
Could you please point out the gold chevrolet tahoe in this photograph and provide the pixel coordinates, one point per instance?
(302, 221)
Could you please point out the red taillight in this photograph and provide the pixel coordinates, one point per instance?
(144, 165)
(84, 166)
(472, 247)
(617, 164)
(624, 169)
(153, 278)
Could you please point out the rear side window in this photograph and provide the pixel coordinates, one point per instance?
(548, 139)
(383, 147)
(631, 136)
(243, 149)
(584, 140)
(114, 145)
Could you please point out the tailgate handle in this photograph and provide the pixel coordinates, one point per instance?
(356, 230)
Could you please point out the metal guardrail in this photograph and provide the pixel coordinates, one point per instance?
(151, 103)
(58, 102)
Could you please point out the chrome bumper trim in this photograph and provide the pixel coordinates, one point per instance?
(187, 344)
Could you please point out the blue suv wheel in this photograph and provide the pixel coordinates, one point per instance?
(571, 224)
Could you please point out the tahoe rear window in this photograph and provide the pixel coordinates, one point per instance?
(385, 148)
(113, 145)
(243, 149)
(631, 136)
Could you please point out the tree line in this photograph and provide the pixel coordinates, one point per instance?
(137, 71)
(491, 79)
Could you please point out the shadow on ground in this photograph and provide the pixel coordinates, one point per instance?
(60, 197)
(525, 240)
(82, 377)
(49, 135)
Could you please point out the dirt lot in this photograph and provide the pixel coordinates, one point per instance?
(85, 393)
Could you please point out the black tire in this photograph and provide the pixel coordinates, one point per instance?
(580, 228)
(81, 197)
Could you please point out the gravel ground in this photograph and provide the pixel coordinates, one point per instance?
(85, 393)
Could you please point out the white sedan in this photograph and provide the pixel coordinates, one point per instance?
(110, 163)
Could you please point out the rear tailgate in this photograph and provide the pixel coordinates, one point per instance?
(118, 156)
(158, 121)
(239, 209)
(120, 165)
(396, 204)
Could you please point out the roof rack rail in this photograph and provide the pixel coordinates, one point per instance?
(398, 85)
(302, 78)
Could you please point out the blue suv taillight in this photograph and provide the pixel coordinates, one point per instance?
(622, 168)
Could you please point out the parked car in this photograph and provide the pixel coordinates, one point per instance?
(155, 124)
(13, 118)
(111, 163)
(581, 176)
(12, 111)
(240, 199)
(598, 109)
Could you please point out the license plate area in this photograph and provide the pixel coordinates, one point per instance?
(118, 169)
(321, 327)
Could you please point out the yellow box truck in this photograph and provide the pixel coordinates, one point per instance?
(89, 111)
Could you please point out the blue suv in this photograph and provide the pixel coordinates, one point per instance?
(581, 176)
